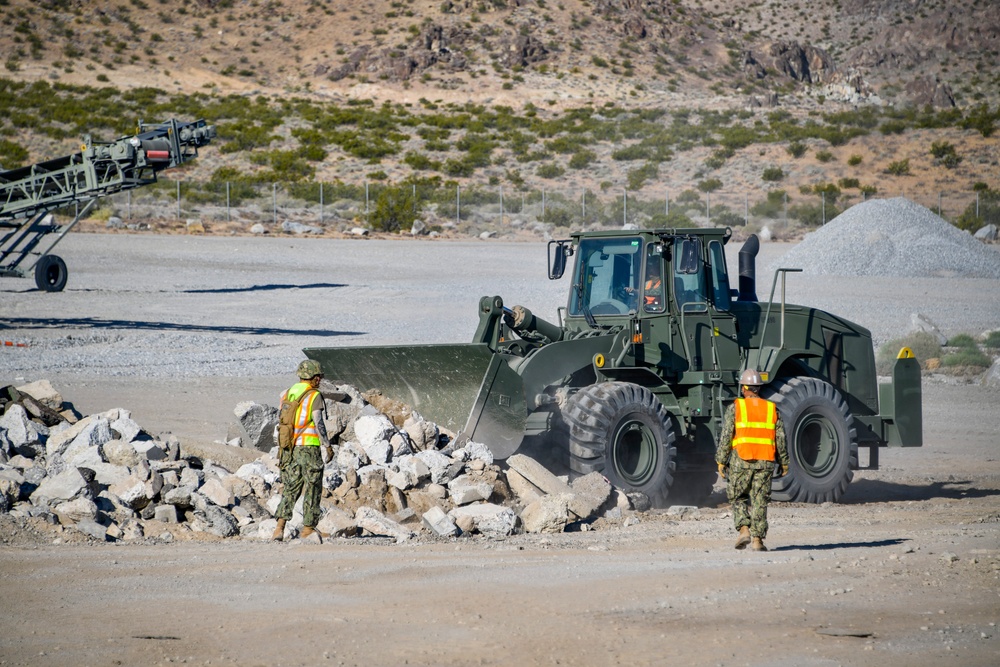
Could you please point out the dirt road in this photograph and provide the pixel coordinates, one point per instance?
(910, 560)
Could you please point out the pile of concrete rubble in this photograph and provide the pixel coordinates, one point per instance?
(393, 474)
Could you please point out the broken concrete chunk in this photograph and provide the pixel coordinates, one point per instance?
(181, 497)
(150, 450)
(536, 473)
(466, 489)
(369, 429)
(121, 453)
(92, 528)
(440, 523)
(165, 513)
(257, 422)
(259, 469)
(64, 486)
(132, 491)
(377, 523)
(548, 514)
(76, 510)
(217, 493)
(590, 492)
(477, 451)
(423, 434)
(43, 392)
(525, 491)
(489, 519)
(17, 431)
(337, 523)
(126, 429)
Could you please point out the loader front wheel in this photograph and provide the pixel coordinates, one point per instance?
(623, 431)
(50, 273)
(822, 441)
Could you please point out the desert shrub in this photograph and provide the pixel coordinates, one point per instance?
(824, 156)
(989, 212)
(969, 357)
(855, 160)
(582, 159)
(549, 170)
(709, 185)
(924, 346)
(772, 207)
(675, 219)
(980, 118)
(898, 167)
(992, 339)
(812, 215)
(846, 183)
(633, 152)
(12, 155)
(963, 340)
(637, 177)
(892, 127)
(395, 209)
(797, 149)
(828, 190)
(420, 161)
(868, 190)
(772, 174)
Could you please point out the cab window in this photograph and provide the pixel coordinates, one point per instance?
(653, 297)
(689, 273)
(607, 277)
(720, 276)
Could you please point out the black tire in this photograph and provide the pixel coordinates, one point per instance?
(622, 431)
(50, 273)
(822, 441)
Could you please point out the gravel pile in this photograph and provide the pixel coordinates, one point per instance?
(892, 237)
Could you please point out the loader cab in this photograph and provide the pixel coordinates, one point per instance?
(607, 276)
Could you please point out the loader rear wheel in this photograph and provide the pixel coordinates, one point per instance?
(822, 441)
(623, 431)
(50, 273)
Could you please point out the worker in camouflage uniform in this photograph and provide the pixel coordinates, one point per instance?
(751, 442)
(302, 466)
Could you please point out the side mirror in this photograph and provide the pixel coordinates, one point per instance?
(558, 252)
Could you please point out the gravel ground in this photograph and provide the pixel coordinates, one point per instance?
(905, 571)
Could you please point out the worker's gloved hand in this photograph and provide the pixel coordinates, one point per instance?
(722, 470)
(329, 453)
(784, 470)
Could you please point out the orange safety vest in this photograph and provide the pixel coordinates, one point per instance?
(755, 423)
(306, 433)
(651, 285)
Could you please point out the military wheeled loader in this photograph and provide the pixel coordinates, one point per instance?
(634, 380)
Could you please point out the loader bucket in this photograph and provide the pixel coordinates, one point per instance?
(465, 388)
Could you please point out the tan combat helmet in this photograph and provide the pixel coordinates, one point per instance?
(309, 369)
(751, 378)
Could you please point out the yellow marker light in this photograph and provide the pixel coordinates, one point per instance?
(599, 360)
(637, 338)
(905, 353)
(763, 377)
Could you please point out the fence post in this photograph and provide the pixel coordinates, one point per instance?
(227, 201)
(414, 199)
(939, 204)
(458, 204)
(746, 209)
(274, 201)
(543, 206)
(178, 200)
(666, 203)
(977, 204)
(824, 206)
(501, 205)
(583, 206)
(784, 207)
(624, 206)
(708, 207)
(321, 202)
(366, 201)
(128, 205)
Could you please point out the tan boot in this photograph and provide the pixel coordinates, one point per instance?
(744, 539)
(309, 531)
(279, 531)
(758, 545)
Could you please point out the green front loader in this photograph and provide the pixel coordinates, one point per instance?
(634, 380)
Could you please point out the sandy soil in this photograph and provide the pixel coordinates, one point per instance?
(910, 560)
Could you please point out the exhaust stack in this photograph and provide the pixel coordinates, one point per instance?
(748, 269)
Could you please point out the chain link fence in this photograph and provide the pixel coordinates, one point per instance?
(338, 206)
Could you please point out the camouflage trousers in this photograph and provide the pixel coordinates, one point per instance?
(749, 491)
(302, 474)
